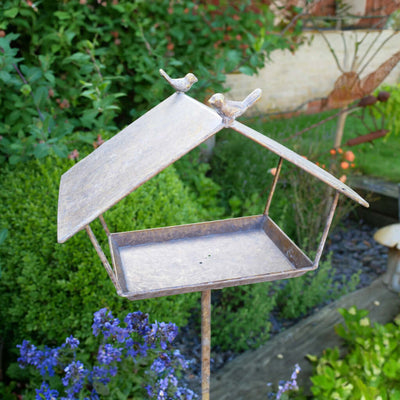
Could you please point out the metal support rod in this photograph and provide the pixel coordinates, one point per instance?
(398, 203)
(205, 343)
(104, 225)
(327, 226)
(103, 258)
(271, 193)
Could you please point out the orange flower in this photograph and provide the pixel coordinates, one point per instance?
(349, 156)
(305, 157)
(272, 171)
(339, 150)
(352, 165)
(332, 151)
(343, 178)
(344, 165)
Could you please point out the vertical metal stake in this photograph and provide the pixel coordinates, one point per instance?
(398, 203)
(205, 343)
(275, 181)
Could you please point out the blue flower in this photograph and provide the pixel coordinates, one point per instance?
(72, 342)
(101, 374)
(161, 363)
(138, 322)
(184, 393)
(29, 354)
(48, 361)
(288, 385)
(105, 323)
(74, 378)
(80, 383)
(168, 331)
(179, 357)
(108, 354)
(43, 360)
(45, 393)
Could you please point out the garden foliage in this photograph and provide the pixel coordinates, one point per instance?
(49, 288)
(370, 366)
(91, 66)
(143, 348)
(390, 108)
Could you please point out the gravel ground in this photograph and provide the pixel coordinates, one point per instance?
(353, 249)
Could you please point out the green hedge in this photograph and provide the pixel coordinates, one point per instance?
(51, 290)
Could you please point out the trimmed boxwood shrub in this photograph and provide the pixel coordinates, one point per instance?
(48, 289)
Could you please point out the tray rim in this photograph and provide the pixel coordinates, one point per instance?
(250, 222)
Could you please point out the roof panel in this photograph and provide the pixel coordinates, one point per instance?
(299, 161)
(130, 158)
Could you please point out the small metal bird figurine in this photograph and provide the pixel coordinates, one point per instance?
(180, 84)
(229, 109)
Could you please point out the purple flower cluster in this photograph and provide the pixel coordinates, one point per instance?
(138, 341)
(286, 386)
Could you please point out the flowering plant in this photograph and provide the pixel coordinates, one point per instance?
(138, 345)
(285, 387)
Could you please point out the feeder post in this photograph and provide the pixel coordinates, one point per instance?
(327, 226)
(205, 343)
(275, 181)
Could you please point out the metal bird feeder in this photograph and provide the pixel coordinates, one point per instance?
(188, 258)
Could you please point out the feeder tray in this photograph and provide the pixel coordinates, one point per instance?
(210, 255)
(187, 258)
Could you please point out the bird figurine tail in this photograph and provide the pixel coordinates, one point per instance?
(252, 98)
(165, 75)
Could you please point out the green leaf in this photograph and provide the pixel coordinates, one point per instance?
(3, 235)
(40, 94)
(50, 77)
(14, 159)
(88, 118)
(60, 150)
(11, 12)
(245, 69)
(63, 15)
(26, 89)
(41, 150)
(77, 57)
(5, 76)
(392, 368)
(312, 358)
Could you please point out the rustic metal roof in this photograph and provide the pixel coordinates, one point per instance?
(299, 161)
(129, 159)
(146, 147)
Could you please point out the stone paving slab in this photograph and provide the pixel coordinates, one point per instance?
(246, 377)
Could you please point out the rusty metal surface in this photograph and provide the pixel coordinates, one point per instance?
(369, 137)
(205, 343)
(129, 159)
(103, 258)
(299, 161)
(275, 181)
(327, 227)
(210, 255)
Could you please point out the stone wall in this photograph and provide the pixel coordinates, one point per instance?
(297, 81)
